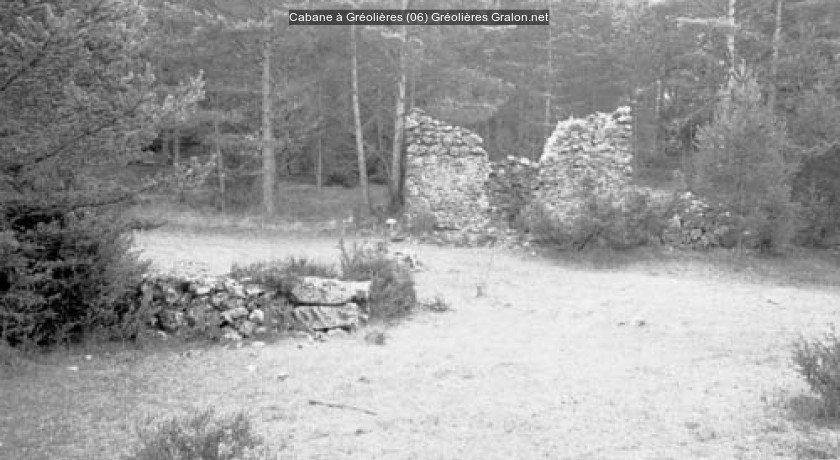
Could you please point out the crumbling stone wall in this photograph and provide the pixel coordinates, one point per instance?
(446, 171)
(584, 158)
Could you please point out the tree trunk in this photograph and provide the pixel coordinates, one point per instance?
(730, 44)
(176, 147)
(319, 152)
(268, 159)
(357, 118)
(774, 64)
(657, 113)
(220, 163)
(399, 122)
(549, 81)
(166, 138)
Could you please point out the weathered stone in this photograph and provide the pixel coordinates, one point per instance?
(171, 320)
(233, 287)
(321, 317)
(201, 289)
(234, 314)
(313, 290)
(252, 290)
(231, 334)
(257, 316)
(219, 300)
(202, 317)
(246, 328)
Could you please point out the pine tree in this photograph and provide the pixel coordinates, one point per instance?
(741, 165)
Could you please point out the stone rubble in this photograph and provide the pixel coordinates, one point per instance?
(696, 224)
(183, 299)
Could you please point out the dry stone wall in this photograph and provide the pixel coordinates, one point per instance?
(237, 308)
(584, 158)
(446, 172)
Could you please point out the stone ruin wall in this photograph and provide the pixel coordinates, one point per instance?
(593, 153)
(449, 175)
(445, 174)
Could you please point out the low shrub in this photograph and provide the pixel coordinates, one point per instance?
(438, 305)
(202, 435)
(616, 221)
(818, 361)
(392, 292)
(64, 274)
(282, 275)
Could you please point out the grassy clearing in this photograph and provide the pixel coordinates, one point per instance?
(800, 267)
(299, 207)
(508, 374)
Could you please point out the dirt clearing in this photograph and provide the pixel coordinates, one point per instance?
(550, 362)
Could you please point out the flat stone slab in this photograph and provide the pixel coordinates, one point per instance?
(321, 317)
(313, 290)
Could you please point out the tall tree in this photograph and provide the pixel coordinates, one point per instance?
(357, 117)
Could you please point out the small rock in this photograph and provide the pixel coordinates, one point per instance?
(257, 316)
(73, 368)
(252, 290)
(231, 335)
(375, 337)
(336, 332)
(219, 300)
(247, 328)
(201, 289)
(282, 375)
(238, 312)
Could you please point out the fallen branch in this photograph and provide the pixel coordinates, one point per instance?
(313, 402)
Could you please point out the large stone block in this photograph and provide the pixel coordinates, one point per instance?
(320, 317)
(313, 290)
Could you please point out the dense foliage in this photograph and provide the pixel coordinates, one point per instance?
(741, 161)
(75, 93)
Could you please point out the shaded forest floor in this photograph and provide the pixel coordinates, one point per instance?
(643, 358)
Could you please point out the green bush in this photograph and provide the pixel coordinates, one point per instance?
(615, 221)
(392, 293)
(203, 436)
(281, 276)
(741, 160)
(64, 274)
(818, 361)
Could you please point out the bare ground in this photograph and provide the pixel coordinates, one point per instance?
(646, 362)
